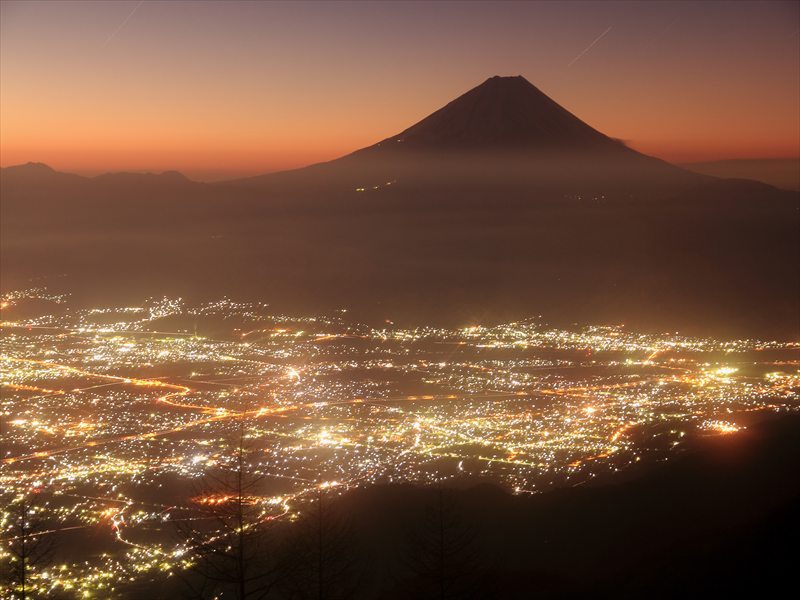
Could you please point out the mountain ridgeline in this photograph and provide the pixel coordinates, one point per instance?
(499, 205)
(504, 133)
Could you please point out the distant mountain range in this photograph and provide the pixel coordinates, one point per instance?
(783, 173)
(499, 205)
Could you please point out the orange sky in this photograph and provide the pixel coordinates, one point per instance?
(226, 89)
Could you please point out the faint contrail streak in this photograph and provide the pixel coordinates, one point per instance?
(589, 47)
(121, 25)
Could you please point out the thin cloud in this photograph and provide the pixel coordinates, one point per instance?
(589, 47)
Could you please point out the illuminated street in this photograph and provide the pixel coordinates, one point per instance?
(113, 414)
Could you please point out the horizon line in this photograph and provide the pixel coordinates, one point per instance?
(92, 173)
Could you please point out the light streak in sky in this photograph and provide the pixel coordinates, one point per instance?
(121, 25)
(589, 47)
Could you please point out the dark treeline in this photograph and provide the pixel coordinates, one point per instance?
(721, 519)
(26, 545)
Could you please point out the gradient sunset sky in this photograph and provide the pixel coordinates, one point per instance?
(222, 89)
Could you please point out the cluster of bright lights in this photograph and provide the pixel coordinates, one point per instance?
(106, 406)
(718, 426)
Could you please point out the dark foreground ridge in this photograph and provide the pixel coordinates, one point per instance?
(720, 520)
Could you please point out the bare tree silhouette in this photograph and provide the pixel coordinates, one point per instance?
(225, 535)
(320, 559)
(28, 546)
(442, 553)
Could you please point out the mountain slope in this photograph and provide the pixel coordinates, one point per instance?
(783, 173)
(501, 113)
(502, 132)
(37, 198)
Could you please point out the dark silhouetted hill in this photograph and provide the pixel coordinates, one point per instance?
(783, 173)
(720, 520)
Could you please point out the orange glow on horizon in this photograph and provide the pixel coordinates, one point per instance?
(209, 165)
(218, 90)
(220, 157)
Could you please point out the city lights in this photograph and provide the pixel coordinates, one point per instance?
(105, 409)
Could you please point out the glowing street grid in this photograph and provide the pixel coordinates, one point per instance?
(113, 414)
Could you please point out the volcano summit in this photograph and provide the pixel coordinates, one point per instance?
(503, 131)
